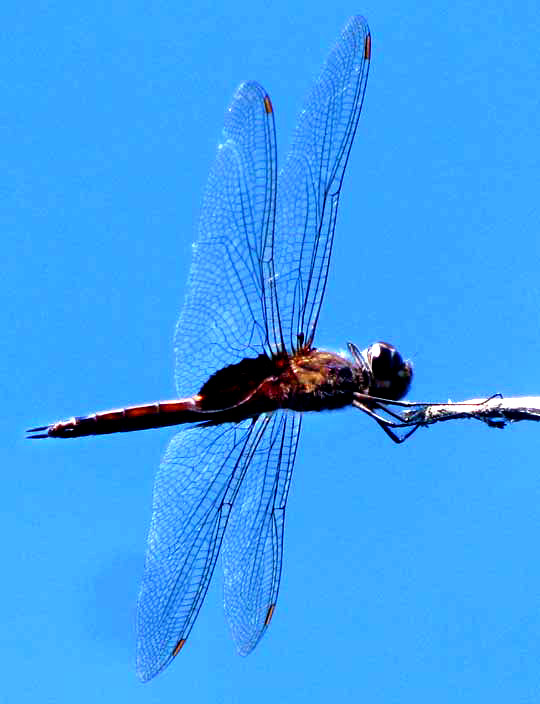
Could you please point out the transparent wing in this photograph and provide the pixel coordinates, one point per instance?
(253, 543)
(195, 486)
(250, 291)
(310, 183)
(223, 318)
(195, 489)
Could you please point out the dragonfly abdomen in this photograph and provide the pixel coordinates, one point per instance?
(142, 417)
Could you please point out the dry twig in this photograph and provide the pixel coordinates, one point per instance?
(495, 411)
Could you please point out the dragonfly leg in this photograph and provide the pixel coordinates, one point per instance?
(386, 402)
(398, 439)
(384, 423)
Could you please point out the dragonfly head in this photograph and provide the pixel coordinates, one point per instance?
(390, 375)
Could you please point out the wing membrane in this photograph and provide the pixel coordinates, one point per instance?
(310, 183)
(253, 543)
(256, 284)
(223, 319)
(257, 278)
(195, 487)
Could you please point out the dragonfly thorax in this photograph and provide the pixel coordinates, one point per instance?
(318, 380)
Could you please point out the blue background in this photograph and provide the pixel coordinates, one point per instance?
(410, 573)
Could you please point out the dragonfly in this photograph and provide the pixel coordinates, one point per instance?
(247, 367)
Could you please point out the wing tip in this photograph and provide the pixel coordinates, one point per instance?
(178, 647)
(269, 614)
(367, 47)
(148, 668)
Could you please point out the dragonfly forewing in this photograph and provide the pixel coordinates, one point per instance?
(310, 183)
(253, 543)
(256, 284)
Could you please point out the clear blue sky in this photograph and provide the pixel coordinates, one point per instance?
(411, 573)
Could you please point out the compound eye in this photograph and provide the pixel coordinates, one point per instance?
(391, 375)
(385, 360)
